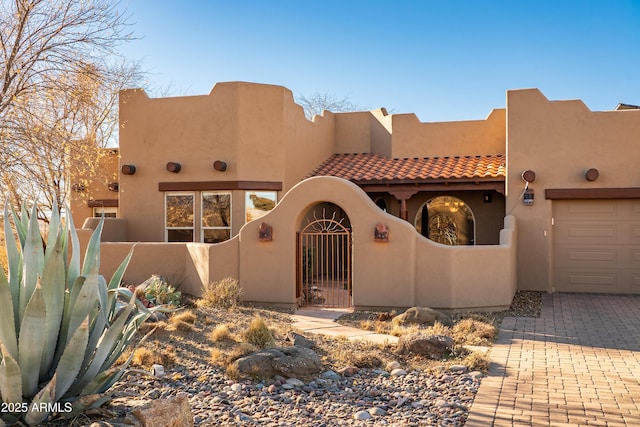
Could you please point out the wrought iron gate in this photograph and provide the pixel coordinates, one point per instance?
(324, 264)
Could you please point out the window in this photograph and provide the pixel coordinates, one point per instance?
(258, 203)
(447, 220)
(179, 217)
(109, 212)
(216, 217)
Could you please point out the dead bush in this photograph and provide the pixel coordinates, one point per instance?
(225, 293)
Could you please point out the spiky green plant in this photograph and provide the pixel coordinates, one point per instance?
(62, 326)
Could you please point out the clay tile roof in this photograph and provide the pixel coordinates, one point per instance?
(370, 167)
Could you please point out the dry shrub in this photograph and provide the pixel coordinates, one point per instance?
(476, 361)
(367, 360)
(258, 333)
(473, 331)
(225, 293)
(225, 357)
(187, 316)
(144, 357)
(160, 328)
(180, 326)
(398, 329)
(367, 325)
(438, 329)
(221, 333)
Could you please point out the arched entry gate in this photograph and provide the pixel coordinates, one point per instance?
(324, 263)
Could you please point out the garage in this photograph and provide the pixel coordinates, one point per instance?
(596, 246)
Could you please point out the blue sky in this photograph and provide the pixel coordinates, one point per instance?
(443, 60)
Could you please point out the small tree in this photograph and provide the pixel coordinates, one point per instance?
(318, 102)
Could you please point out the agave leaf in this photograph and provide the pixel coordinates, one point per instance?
(14, 261)
(95, 333)
(69, 300)
(100, 381)
(92, 256)
(10, 378)
(85, 301)
(53, 290)
(73, 268)
(42, 400)
(21, 223)
(54, 230)
(33, 260)
(103, 298)
(7, 321)
(115, 281)
(31, 342)
(71, 360)
(109, 339)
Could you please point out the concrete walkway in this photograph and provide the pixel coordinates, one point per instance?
(322, 321)
(578, 364)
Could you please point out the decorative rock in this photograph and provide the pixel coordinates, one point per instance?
(398, 372)
(377, 411)
(349, 371)
(285, 361)
(330, 375)
(300, 340)
(393, 365)
(157, 370)
(422, 316)
(295, 382)
(457, 368)
(236, 387)
(174, 412)
(432, 346)
(476, 374)
(361, 416)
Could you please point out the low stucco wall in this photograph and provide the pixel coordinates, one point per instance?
(407, 270)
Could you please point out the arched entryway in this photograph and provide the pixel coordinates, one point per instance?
(324, 249)
(447, 220)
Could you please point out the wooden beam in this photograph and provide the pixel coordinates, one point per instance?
(102, 203)
(220, 185)
(592, 193)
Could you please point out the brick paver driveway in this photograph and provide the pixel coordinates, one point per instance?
(578, 364)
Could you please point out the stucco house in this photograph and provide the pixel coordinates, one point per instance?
(372, 209)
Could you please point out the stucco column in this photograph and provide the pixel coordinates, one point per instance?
(403, 196)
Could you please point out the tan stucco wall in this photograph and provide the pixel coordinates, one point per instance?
(560, 140)
(413, 138)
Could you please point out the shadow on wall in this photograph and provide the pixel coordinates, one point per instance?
(403, 271)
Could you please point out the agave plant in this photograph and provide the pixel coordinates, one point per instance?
(62, 326)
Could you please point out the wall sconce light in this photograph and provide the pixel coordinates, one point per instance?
(113, 186)
(128, 169)
(381, 233)
(220, 165)
(527, 197)
(487, 197)
(265, 232)
(591, 174)
(174, 167)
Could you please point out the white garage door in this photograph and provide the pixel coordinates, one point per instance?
(597, 246)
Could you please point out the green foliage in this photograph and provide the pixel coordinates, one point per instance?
(62, 326)
(258, 333)
(159, 292)
(225, 293)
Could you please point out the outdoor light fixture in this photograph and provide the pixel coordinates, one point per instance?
(528, 177)
(591, 174)
(381, 233)
(113, 186)
(220, 165)
(128, 169)
(265, 232)
(174, 167)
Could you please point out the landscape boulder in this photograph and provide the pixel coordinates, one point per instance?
(173, 412)
(422, 316)
(289, 362)
(431, 346)
(300, 340)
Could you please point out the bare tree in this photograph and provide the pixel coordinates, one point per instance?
(59, 81)
(318, 102)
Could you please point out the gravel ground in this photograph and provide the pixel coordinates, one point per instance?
(440, 395)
